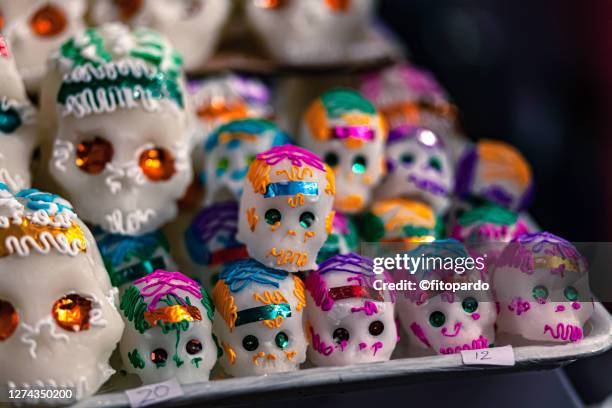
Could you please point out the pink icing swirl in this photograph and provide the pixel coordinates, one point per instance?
(296, 155)
(162, 283)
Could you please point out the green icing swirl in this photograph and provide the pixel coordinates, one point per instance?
(340, 101)
(488, 213)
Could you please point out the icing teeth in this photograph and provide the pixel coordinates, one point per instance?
(476, 344)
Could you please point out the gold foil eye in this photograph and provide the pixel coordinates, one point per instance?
(338, 5)
(48, 21)
(271, 4)
(92, 157)
(72, 312)
(9, 319)
(1, 20)
(128, 8)
(157, 164)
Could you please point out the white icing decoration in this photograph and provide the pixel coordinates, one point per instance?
(133, 221)
(27, 113)
(46, 241)
(31, 332)
(62, 150)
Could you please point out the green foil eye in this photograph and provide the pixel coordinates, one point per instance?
(540, 293)
(571, 293)
(437, 319)
(307, 219)
(470, 305)
(282, 340)
(435, 163)
(9, 120)
(407, 159)
(222, 165)
(250, 342)
(331, 159)
(359, 164)
(273, 216)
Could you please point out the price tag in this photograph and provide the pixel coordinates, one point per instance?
(498, 356)
(154, 393)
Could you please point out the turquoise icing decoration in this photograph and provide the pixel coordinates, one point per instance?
(240, 274)
(340, 101)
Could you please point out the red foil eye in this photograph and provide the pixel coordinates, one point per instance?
(128, 8)
(9, 319)
(48, 21)
(1, 20)
(92, 157)
(157, 164)
(338, 5)
(72, 312)
(271, 4)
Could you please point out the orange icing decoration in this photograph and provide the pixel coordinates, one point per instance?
(230, 353)
(316, 119)
(253, 219)
(329, 222)
(224, 302)
(299, 293)
(404, 212)
(502, 161)
(259, 176)
(331, 180)
(288, 256)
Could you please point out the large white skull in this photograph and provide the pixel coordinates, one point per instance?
(229, 151)
(122, 145)
(17, 124)
(193, 26)
(348, 320)
(168, 329)
(541, 282)
(36, 28)
(286, 208)
(496, 172)
(418, 168)
(310, 31)
(345, 129)
(58, 321)
(258, 319)
(444, 321)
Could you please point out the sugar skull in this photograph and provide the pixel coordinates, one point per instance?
(17, 125)
(310, 31)
(122, 146)
(495, 171)
(438, 318)
(349, 320)
(345, 129)
(193, 26)
(230, 150)
(211, 241)
(259, 319)
(541, 282)
(168, 329)
(58, 321)
(418, 168)
(400, 220)
(286, 208)
(343, 238)
(36, 28)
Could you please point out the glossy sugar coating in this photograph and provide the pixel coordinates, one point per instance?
(542, 287)
(348, 321)
(286, 208)
(346, 130)
(259, 319)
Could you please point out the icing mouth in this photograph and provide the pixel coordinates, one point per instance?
(476, 344)
(564, 332)
(131, 223)
(457, 330)
(430, 186)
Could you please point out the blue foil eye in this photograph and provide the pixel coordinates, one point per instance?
(9, 120)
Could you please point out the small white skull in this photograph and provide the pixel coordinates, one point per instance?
(349, 320)
(541, 282)
(418, 168)
(58, 321)
(258, 319)
(168, 329)
(345, 129)
(286, 208)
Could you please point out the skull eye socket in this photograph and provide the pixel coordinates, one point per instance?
(376, 328)
(570, 293)
(92, 156)
(192, 7)
(250, 342)
(469, 304)
(331, 159)
(157, 164)
(9, 319)
(407, 159)
(307, 219)
(340, 335)
(222, 165)
(48, 21)
(273, 216)
(437, 319)
(128, 8)
(435, 163)
(193, 346)
(282, 340)
(159, 357)
(359, 164)
(72, 312)
(540, 293)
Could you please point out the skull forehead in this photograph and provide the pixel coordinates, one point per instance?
(245, 299)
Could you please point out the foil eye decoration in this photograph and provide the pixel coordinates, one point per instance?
(92, 156)
(1, 20)
(9, 320)
(338, 5)
(157, 164)
(72, 312)
(10, 120)
(48, 21)
(271, 4)
(128, 8)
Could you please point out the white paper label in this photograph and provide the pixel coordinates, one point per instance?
(499, 356)
(154, 393)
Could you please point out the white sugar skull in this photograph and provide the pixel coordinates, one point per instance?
(310, 31)
(343, 238)
(418, 168)
(211, 242)
(193, 26)
(494, 171)
(58, 321)
(541, 282)
(286, 208)
(441, 320)
(168, 329)
(122, 145)
(17, 125)
(345, 129)
(36, 28)
(229, 151)
(259, 319)
(349, 320)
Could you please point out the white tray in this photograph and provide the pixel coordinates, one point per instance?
(330, 380)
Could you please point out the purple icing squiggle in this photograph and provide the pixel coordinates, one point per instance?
(214, 219)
